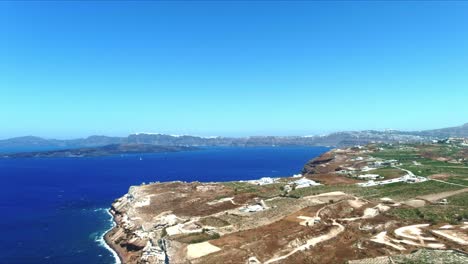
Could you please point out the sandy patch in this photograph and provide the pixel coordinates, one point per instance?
(331, 194)
(382, 238)
(311, 242)
(414, 232)
(227, 199)
(439, 176)
(446, 227)
(435, 245)
(307, 220)
(382, 208)
(453, 235)
(370, 213)
(356, 203)
(415, 203)
(387, 200)
(437, 196)
(143, 202)
(200, 249)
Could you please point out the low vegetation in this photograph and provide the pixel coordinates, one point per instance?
(397, 191)
(432, 213)
(196, 237)
(213, 221)
(263, 191)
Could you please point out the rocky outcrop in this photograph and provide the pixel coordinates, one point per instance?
(149, 213)
(314, 166)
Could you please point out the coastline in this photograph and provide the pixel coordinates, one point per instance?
(128, 248)
(104, 239)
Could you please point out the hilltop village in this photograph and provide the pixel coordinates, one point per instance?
(379, 203)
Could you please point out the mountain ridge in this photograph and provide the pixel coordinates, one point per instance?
(342, 138)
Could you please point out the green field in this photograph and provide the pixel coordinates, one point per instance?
(429, 166)
(397, 191)
(455, 212)
(387, 173)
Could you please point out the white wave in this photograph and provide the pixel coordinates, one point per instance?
(100, 240)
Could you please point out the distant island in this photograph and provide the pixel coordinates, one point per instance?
(338, 139)
(113, 149)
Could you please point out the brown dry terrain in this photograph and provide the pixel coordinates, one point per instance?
(331, 179)
(335, 222)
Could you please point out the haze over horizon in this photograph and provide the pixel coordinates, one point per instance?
(76, 69)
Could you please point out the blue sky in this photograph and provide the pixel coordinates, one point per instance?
(72, 69)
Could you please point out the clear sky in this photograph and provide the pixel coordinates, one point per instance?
(72, 69)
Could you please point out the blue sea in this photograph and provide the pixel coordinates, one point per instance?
(54, 210)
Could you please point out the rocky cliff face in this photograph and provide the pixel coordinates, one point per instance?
(315, 166)
(148, 214)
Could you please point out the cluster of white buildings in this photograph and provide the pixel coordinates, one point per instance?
(264, 181)
(407, 178)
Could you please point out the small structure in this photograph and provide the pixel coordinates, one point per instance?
(390, 162)
(260, 205)
(253, 260)
(308, 221)
(368, 176)
(264, 181)
(251, 208)
(367, 168)
(413, 179)
(304, 182)
(387, 200)
(443, 202)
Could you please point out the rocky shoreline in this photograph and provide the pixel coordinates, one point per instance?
(188, 212)
(111, 243)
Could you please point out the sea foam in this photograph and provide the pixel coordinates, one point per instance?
(102, 242)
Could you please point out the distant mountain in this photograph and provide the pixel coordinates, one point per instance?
(34, 142)
(345, 138)
(107, 150)
(459, 131)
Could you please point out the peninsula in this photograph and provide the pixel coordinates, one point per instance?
(108, 150)
(379, 203)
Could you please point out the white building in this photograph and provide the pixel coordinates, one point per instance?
(368, 177)
(407, 178)
(304, 182)
(367, 168)
(252, 208)
(264, 181)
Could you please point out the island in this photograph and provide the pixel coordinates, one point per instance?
(108, 150)
(379, 203)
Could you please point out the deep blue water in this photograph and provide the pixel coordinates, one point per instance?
(53, 210)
